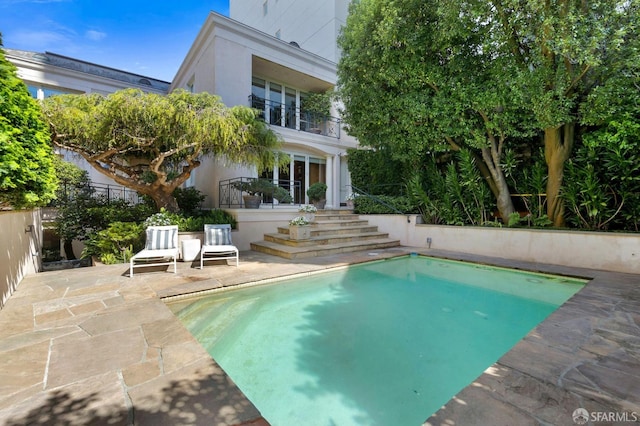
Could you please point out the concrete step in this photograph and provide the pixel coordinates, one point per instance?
(290, 252)
(325, 239)
(333, 229)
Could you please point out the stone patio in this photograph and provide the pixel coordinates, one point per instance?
(93, 346)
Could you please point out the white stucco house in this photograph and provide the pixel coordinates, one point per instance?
(247, 67)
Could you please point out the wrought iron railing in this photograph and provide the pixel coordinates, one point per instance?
(274, 192)
(107, 192)
(293, 117)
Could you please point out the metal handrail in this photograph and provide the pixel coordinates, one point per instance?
(361, 192)
(294, 117)
(230, 196)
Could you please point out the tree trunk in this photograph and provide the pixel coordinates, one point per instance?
(68, 250)
(502, 193)
(558, 143)
(164, 200)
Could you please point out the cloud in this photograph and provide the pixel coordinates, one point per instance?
(40, 39)
(95, 35)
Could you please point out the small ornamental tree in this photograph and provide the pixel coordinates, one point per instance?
(151, 143)
(27, 177)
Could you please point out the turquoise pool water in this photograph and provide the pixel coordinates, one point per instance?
(383, 343)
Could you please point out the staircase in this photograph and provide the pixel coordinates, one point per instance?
(333, 231)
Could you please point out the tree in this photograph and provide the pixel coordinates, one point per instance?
(476, 73)
(565, 51)
(151, 143)
(27, 176)
(418, 78)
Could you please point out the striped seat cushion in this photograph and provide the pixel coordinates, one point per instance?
(218, 237)
(161, 239)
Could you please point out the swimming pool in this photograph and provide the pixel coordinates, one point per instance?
(374, 344)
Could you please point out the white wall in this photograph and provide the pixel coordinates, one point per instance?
(595, 250)
(313, 24)
(19, 250)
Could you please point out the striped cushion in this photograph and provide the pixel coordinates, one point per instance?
(218, 237)
(161, 239)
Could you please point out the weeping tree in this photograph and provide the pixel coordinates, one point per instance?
(151, 143)
(416, 77)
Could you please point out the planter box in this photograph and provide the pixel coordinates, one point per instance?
(299, 232)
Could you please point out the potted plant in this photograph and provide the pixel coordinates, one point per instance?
(308, 211)
(317, 107)
(318, 194)
(299, 228)
(351, 199)
(253, 190)
(282, 195)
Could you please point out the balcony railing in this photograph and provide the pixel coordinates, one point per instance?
(230, 195)
(292, 117)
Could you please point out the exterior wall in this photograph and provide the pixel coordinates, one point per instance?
(223, 59)
(19, 250)
(594, 250)
(254, 223)
(313, 25)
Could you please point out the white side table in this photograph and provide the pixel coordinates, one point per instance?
(190, 250)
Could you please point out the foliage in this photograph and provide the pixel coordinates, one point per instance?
(151, 143)
(318, 103)
(375, 171)
(189, 199)
(282, 195)
(421, 77)
(193, 223)
(299, 221)
(405, 82)
(307, 209)
(27, 176)
(383, 204)
(453, 196)
(257, 186)
(117, 243)
(317, 191)
(603, 183)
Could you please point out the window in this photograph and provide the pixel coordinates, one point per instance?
(278, 34)
(265, 8)
(191, 84)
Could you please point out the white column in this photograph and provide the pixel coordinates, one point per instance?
(330, 182)
(337, 180)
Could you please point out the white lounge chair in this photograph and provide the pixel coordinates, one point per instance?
(218, 244)
(160, 249)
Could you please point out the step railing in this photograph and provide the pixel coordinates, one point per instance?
(361, 193)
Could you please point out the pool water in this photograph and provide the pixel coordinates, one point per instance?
(383, 343)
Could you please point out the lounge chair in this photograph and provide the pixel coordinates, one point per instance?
(218, 244)
(160, 249)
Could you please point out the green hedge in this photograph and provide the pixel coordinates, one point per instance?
(369, 205)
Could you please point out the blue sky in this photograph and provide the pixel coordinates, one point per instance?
(141, 36)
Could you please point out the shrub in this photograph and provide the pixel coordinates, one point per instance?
(118, 242)
(317, 191)
(189, 199)
(382, 204)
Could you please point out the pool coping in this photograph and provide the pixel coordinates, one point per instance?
(585, 355)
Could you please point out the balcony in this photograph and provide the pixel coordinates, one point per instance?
(293, 117)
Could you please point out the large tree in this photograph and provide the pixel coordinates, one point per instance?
(420, 75)
(27, 176)
(151, 143)
(417, 78)
(566, 52)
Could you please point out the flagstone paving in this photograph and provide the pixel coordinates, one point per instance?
(94, 346)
